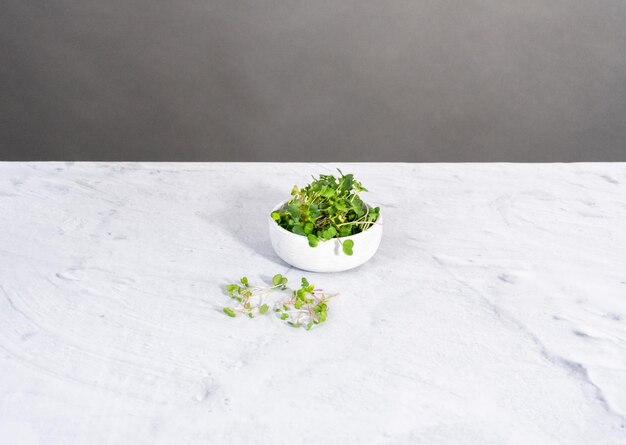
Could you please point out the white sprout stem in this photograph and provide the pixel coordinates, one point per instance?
(356, 222)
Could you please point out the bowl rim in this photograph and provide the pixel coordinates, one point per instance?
(379, 221)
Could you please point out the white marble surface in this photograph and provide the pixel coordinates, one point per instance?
(493, 313)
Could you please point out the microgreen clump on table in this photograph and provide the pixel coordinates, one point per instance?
(306, 306)
(327, 208)
(250, 298)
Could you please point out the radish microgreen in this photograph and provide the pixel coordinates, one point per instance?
(303, 307)
(327, 208)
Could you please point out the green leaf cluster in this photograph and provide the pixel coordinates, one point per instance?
(305, 306)
(249, 297)
(327, 208)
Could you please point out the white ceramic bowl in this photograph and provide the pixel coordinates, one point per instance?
(327, 256)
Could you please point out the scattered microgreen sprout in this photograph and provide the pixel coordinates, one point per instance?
(327, 208)
(306, 306)
(250, 298)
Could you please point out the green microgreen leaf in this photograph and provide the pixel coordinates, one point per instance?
(233, 289)
(230, 312)
(277, 279)
(331, 232)
(347, 246)
(312, 240)
(328, 192)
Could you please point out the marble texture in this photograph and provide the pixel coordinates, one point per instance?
(493, 313)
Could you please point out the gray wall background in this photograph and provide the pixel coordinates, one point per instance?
(337, 80)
